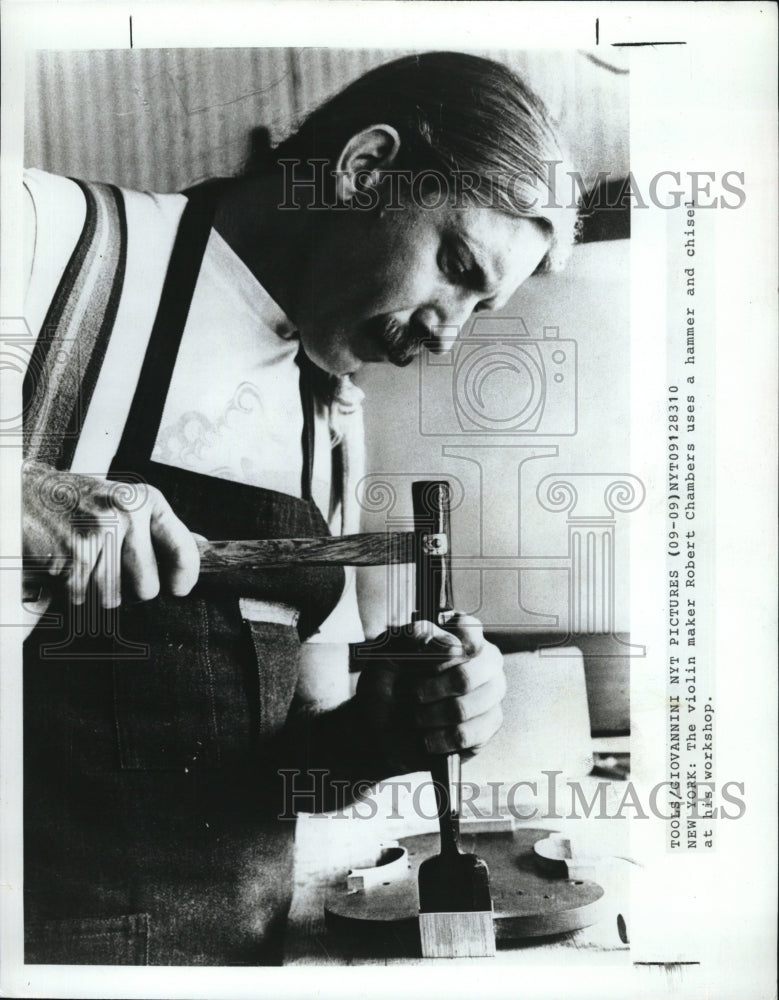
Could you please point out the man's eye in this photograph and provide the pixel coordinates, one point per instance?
(455, 265)
(459, 266)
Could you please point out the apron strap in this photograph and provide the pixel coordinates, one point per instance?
(307, 376)
(143, 423)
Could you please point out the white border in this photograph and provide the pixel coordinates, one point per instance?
(713, 108)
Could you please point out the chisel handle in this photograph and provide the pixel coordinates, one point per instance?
(431, 504)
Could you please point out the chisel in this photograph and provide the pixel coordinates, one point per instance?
(455, 906)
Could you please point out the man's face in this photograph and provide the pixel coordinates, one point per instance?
(378, 284)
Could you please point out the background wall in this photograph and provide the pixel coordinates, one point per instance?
(501, 514)
(163, 119)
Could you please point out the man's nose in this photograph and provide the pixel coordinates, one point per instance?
(443, 324)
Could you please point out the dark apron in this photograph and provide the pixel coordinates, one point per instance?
(151, 834)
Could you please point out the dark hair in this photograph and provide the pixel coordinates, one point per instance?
(456, 114)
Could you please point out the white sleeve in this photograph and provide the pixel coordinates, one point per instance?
(344, 623)
(54, 218)
(30, 232)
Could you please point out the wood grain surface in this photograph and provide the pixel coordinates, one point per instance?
(371, 549)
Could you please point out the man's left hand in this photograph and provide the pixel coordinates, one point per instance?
(432, 691)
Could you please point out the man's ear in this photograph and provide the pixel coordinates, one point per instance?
(363, 159)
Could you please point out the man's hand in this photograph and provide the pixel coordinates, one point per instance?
(79, 528)
(433, 692)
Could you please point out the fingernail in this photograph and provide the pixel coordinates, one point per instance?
(444, 641)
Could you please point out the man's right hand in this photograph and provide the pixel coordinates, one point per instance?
(79, 528)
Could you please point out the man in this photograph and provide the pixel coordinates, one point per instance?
(193, 377)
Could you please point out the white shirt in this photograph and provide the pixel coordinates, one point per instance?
(233, 407)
